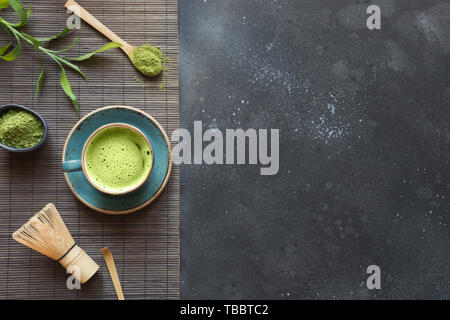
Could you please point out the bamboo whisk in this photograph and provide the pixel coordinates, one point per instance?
(47, 234)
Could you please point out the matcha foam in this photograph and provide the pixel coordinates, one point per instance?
(118, 158)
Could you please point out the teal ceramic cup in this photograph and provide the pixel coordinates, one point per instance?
(127, 154)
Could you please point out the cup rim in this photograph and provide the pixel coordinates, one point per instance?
(108, 191)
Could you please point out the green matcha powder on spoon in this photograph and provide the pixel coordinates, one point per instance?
(147, 59)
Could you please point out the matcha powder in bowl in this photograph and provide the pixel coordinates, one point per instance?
(149, 60)
(21, 129)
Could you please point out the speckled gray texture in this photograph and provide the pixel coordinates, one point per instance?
(364, 149)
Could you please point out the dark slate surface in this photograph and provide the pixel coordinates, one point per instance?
(364, 149)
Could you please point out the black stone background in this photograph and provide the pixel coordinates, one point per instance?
(364, 149)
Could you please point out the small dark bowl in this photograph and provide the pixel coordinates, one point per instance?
(7, 107)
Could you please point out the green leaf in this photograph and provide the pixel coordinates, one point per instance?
(18, 7)
(65, 84)
(106, 47)
(29, 11)
(60, 59)
(40, 81)
(69, 47)
(71, 65)
(5, 48)
(14, 53)
(59, 35)
(4, 4)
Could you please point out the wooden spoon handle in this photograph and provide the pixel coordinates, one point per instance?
(113, 272)
(100, 27)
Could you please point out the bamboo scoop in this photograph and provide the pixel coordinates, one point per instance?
(147, 59)
(113, 272)
(100, 27)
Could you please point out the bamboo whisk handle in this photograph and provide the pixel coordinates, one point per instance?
(78, 263)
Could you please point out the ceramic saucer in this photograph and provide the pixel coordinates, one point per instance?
(139, 198)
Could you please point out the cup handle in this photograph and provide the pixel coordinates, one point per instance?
(72, 166)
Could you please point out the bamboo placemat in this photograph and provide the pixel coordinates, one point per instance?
(145, 244)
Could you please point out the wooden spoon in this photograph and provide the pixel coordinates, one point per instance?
(100, 27)
(113, 272)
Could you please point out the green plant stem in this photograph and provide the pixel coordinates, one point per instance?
(10, 53)
(26, 39)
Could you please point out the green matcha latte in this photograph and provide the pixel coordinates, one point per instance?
(118, 159)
